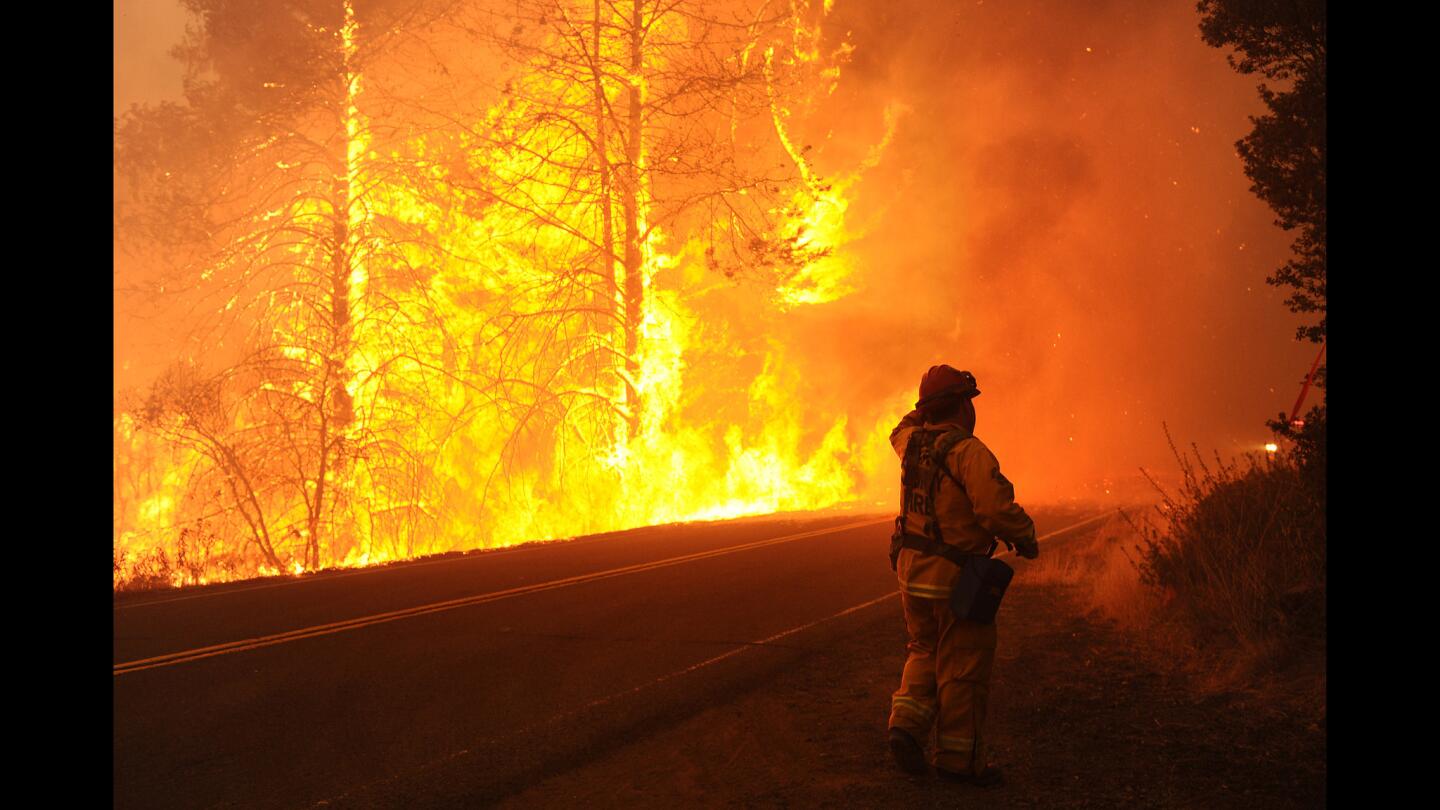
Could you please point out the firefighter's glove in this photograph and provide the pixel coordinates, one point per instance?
(1027, 548)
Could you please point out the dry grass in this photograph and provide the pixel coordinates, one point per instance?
(1240, 551)
(195, 551)
(1104, 564)
(147, 571)
(1225, 577)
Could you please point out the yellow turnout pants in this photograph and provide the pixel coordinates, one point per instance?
(946, 681)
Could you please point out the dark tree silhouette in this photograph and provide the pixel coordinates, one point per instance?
(1284, 154)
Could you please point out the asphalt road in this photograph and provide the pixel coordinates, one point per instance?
(457, 682)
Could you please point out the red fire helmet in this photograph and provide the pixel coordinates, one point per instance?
(943, 381)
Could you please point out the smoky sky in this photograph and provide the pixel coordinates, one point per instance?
(1061, 211)
(145, 31)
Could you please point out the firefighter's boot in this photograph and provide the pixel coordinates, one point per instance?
(909, 756)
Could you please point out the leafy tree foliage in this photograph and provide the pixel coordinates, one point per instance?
(1284, 154)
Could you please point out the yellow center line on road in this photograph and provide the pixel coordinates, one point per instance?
(183, 656)
(328, 575)
(800, 628)
(1072, 527)
(364, 621)
(570, 714)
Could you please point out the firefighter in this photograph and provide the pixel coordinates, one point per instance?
(954, 502)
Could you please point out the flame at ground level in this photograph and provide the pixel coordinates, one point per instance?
(681, 479)
(734, 447)
(1010, 209)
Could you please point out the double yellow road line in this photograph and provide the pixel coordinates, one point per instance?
(170, 659)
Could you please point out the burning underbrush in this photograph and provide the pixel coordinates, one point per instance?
(453, 276)
(508, 306)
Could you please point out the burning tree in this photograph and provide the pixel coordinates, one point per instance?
(452, 249)
(629, 138)
(566, 347)
(271, 182)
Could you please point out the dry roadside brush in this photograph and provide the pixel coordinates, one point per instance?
(1238, 553)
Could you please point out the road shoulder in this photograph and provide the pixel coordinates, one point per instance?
(1081, 717)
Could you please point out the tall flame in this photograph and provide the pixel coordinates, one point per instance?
(491, 396)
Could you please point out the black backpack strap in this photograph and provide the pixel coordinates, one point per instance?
(939, 446)
(919, 439)
(941, 454)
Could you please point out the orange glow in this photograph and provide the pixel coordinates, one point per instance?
(494, 279)
(406, 434)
